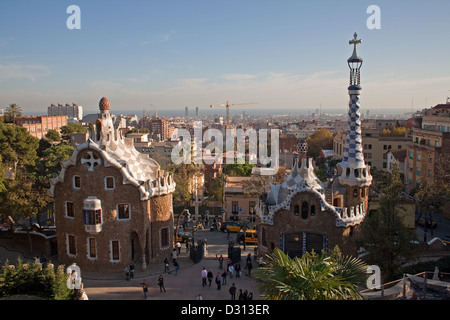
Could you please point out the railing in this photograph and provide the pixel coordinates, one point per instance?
(391, 284)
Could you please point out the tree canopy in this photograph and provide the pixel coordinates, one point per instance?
(388, 243)
(321, 139)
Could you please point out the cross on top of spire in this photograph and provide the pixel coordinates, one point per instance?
(355, 42)
(355, 57)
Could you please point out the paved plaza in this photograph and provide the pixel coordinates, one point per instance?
(187, 285)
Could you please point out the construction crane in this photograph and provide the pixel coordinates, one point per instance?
(227, 105)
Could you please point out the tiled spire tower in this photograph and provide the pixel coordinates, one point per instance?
(354, 171)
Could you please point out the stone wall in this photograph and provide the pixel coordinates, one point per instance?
(322, 222)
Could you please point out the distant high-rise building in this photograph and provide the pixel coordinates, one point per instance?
(71, 111)
(186, 111)
(196, 111)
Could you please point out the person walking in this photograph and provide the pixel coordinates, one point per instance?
(161, 284)
(174, 255)
(210, 277)
(177, 266)
(218, 281)
(232, 292)
(224, 277)
(230, 271)
(204, 276)
(240, 295)
(127, 272)
(178, 245)
(237, 268)
(166, 265)
(145, 288)
(131, 270)
(249, 265)
(220, 262)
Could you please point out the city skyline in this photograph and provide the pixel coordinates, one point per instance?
(155, 55)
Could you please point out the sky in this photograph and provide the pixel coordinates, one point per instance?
(166, 55)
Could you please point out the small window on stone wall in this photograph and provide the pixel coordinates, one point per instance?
(115, 250)
(305, 210)
(296, 210)
(69, 209)
(123, 211)
(164, 237)
(109, 183)
(76, 182)
(313, 210)
(71, 245)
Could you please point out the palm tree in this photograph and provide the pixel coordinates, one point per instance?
(13, 111)
(312, 276)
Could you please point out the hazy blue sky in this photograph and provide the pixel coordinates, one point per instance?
(172, 54)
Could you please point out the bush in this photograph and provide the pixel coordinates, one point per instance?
(32, 279)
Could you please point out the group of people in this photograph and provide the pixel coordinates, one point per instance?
(241, 295)
(160, 283)
(174, 261)
(129, 271)
(228, 272)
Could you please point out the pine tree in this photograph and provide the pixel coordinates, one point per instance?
(388, 243)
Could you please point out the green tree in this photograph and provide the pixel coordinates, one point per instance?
(23, 200)
(17, 146)
(321, 139)
(17, 151)
(53, 136)
(33, 279)
(388, 243)
(311, 277)
(70, 128)
(12, 112)
(49, 164)
(215, 188)
(238, 170)
(183, 174)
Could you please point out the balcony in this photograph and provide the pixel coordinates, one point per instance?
(93, 228)
(92, 215)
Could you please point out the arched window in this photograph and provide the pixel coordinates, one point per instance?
(313, 210)
(296, 210)
(304, 210)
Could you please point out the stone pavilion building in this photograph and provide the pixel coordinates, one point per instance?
(112, 205)
(302, 213)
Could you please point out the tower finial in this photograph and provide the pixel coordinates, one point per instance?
(355, 40)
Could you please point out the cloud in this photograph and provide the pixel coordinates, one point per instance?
(162, 37)
(17, 71)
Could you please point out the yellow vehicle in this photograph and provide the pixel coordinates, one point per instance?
(251, 236)
(232, 226)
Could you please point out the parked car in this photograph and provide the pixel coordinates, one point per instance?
(231, 225)
(182, 237)
(422, 222)
(446, 239)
